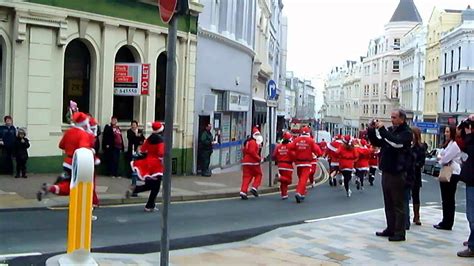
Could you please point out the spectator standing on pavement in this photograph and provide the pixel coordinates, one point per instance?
(205, 150)
(284, 160)
(20, 152)
(112, 144)
(303, 148)
(348, 155)
(7, 143)
(135, 139)
(151, 168)
(450, 155)
(467, 176)
(419, 152)
(395, 143)
(251, 168)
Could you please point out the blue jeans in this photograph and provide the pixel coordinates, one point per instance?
(470, 215)
(407, 207)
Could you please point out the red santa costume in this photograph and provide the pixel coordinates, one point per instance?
(373, 163)
(331, 150)
(74, 138)
(314, 164)
(284, 160)
(303, 148)
(251, 169)
(362, 164)
(347, 155)
(151, 168)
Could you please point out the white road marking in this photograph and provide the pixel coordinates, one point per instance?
(342, 216)
(210, 184)
(16, 255)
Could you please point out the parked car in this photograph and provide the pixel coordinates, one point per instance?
(432, 166)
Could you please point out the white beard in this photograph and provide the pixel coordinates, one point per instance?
(258, 139)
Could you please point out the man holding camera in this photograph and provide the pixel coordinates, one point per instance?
(394, 143)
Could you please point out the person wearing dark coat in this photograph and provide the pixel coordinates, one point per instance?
(394, 143)
(467, 176)
(205, 150)
(7, 143)
(112, 145)
(20, 151)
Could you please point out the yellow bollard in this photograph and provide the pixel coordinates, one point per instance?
(80, 201)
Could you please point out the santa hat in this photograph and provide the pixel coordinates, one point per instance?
(157, 127)
(80, 119)
(363, 142)
(347, 139)
(92, 121)
(305, 131)
(287, 135)
(339, 136)
(255, 131)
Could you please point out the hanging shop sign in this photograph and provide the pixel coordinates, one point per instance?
(237, 102)
(131, 79)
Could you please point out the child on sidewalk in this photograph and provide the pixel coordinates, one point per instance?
(20, 151)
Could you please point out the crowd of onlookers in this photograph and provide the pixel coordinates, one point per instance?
(13, 145)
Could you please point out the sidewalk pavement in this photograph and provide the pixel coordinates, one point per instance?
(342, 240)
(21, 192)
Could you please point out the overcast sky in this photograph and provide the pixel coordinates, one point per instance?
(325, 33)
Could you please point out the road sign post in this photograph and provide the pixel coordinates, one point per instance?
(271, 103)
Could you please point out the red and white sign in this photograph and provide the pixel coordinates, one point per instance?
(167, 8)
(131, 79)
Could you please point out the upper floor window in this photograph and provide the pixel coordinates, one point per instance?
(396, 44)
(396, 66)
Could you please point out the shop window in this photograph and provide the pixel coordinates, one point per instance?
(160, 94)
(76, 82)
(124, 105)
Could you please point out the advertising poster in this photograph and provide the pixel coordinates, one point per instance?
(131, 79)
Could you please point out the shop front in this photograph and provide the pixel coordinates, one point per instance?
(231, 127)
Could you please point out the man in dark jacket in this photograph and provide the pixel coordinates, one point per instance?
(467, 176)
(7, 143)
(395, 145)
(205, 150)
(112, 145)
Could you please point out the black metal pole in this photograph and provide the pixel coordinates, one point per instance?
(270, 126)
(169, 115)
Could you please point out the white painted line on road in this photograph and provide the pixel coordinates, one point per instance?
(432, 203)
(16, 255)
(424, 180)
(342, 216)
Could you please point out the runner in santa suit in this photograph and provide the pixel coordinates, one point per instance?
(314, 164)
(347, 155)
(251, 169)
(373, 163)
(331, 150)
(76, 137)
(93, 138)
(151, 168)
(362, 164)
(283, 158)
(303, 148)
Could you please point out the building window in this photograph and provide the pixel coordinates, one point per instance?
(385, 89)
(445, 61)
(450, 96)
(457, 97)
(76, 83)
(396, 44)
(123, 107)
(160, 93)
(459, 58)
(396, 66)
(452, 60)
(444, 98)
(384, 109)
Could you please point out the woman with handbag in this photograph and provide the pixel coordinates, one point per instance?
(450, 161)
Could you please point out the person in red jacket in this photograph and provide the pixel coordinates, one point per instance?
(373, 163)
(251, 169)
(362, 164)
(331, 150)
(283, 158)
(74, 138)
(347, 157)
(303, 148)
(151, 168)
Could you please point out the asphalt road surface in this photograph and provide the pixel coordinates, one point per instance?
(127, 229)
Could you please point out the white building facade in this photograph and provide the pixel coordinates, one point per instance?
(412, 69)
(351, 91)
(456, 91)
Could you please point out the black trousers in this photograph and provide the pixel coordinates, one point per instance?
(154, 187)
(8, 157)
(393, 186)
(361, 174)
(21, 166)
(448, 198)
(347, 178)
(415, 192)
(205, 160)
